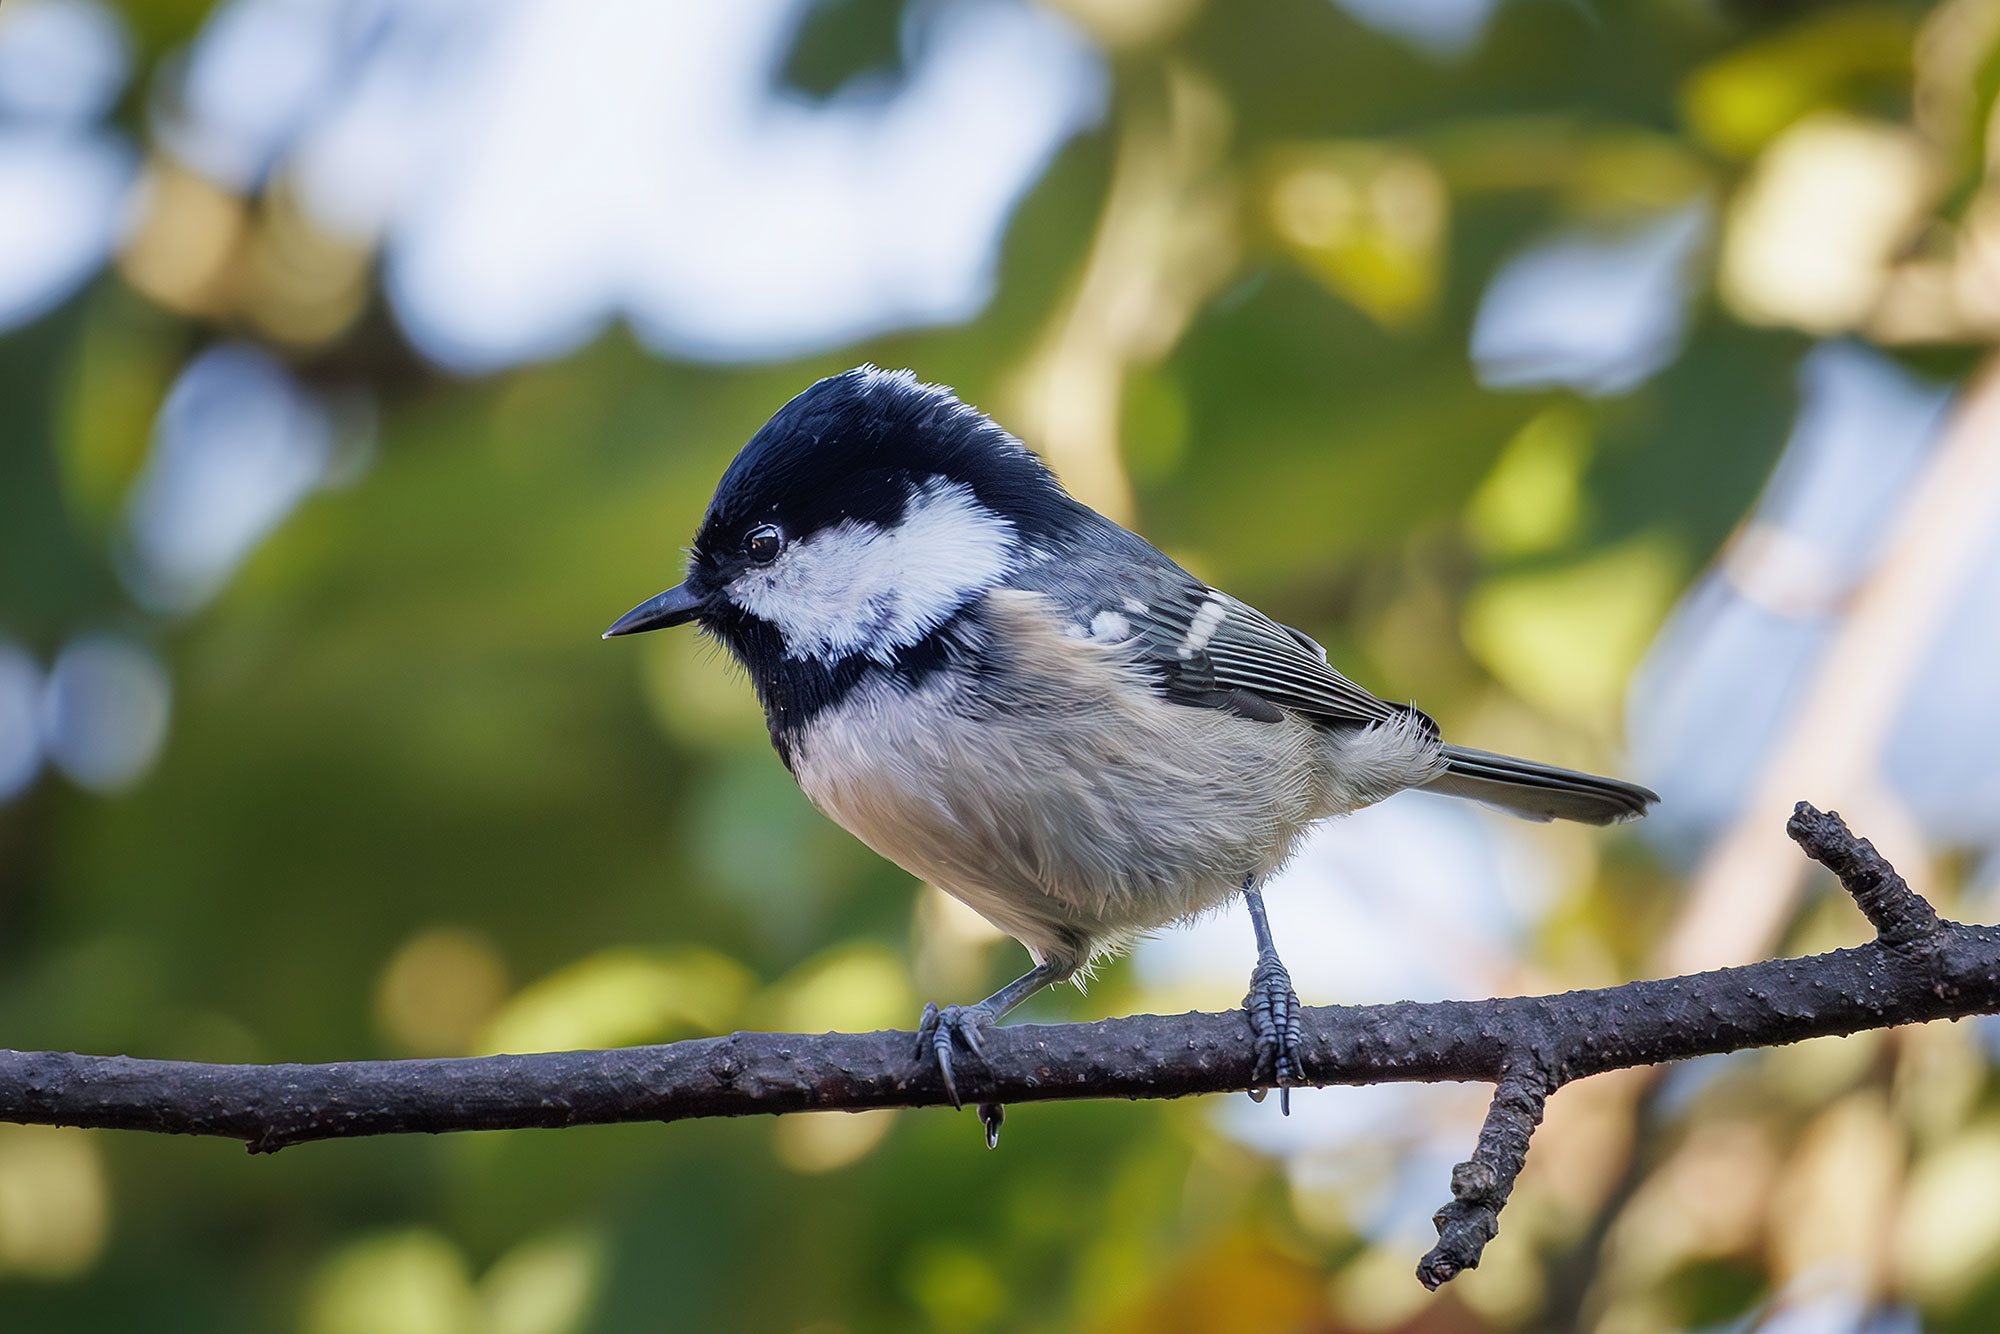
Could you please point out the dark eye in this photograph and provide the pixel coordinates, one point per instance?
(763, 544)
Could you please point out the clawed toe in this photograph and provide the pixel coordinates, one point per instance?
(1273, 1010)
(991, 1114)
(943, 1028)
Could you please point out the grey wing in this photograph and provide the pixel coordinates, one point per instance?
(1204, 647)
(1204, 641)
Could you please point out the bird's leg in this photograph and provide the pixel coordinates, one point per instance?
(940, 1026)
(1273, 1008)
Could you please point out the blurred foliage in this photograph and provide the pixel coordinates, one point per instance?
(411, 804)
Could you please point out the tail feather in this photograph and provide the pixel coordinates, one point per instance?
(1539, 791)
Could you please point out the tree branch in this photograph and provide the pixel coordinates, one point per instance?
(1918, 968)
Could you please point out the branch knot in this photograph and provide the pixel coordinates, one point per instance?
(1474, 1182)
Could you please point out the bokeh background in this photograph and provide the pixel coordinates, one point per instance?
(1604, 378)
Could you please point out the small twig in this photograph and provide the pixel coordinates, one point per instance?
(1898, 913)
(1918, 968)
(1480, 1187)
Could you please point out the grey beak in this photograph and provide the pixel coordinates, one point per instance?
(676, 606)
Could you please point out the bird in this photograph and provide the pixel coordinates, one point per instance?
(1031, 707)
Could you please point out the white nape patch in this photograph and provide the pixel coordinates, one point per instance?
(861, 588)
(1109, 626)
(941, 394)
(872, 375)
(1206, 622)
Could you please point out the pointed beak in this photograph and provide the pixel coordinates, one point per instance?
(676, 606)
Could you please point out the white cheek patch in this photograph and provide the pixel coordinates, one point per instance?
(861, 588)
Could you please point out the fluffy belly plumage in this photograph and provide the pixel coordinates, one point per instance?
(1069, 804)
(1067, 834)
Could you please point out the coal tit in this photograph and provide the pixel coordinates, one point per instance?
(1023, 703)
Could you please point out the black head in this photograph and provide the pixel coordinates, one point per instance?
(855, 445)
(865, 514)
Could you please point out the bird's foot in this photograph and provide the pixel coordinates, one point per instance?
(1273, 1010)
(943, 1028)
